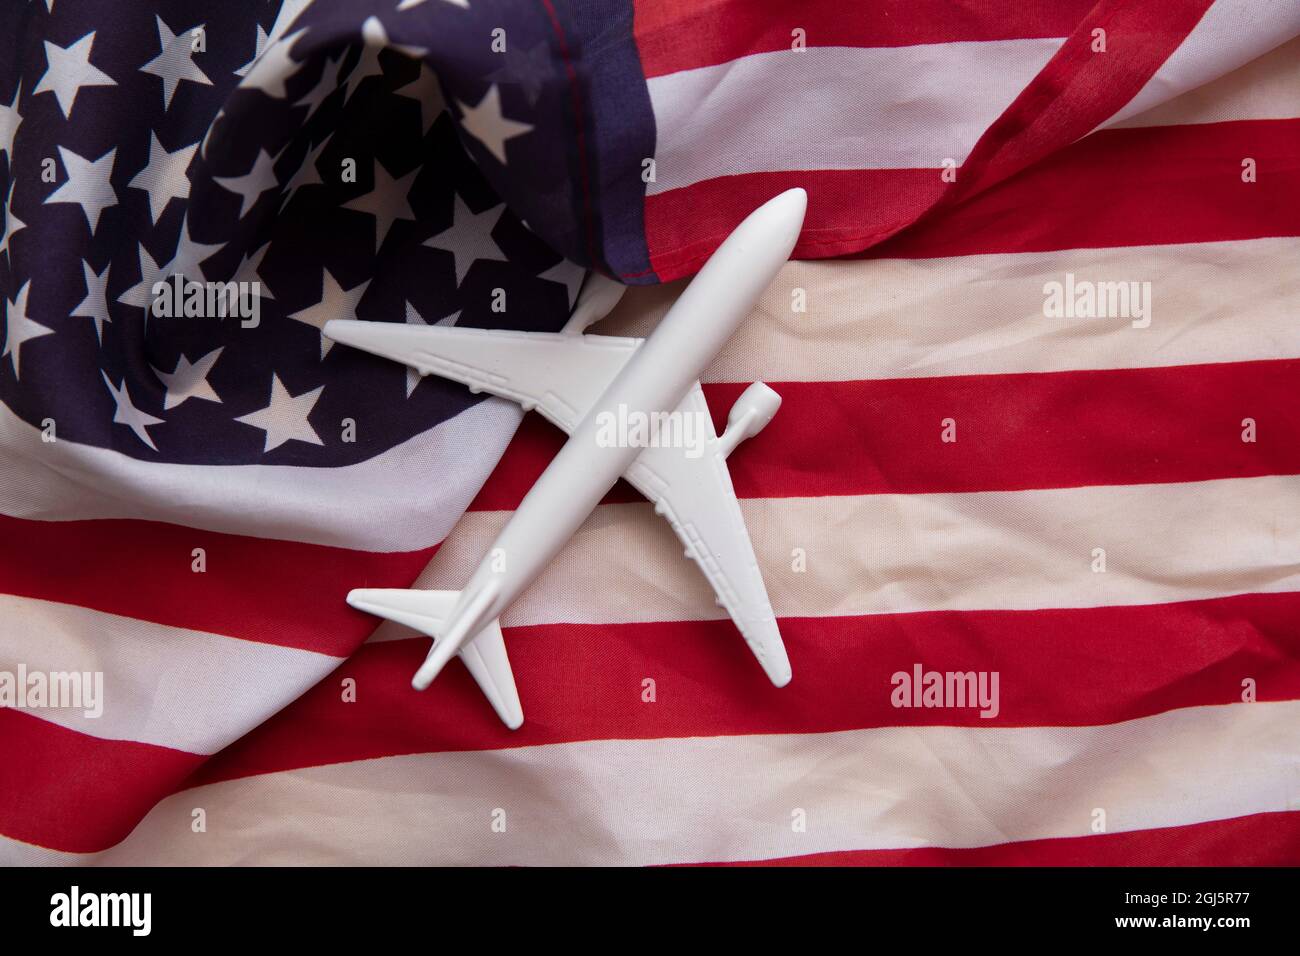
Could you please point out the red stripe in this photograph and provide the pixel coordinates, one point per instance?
(1075, 92)
(258, 589)
(1262, 839)
(1129, 187)
(1081, 87)
(68, 791)
(674, 35)
(1041, 430)
(848, 210)
(584, 682)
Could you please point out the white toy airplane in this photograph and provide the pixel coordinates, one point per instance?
(577, 381)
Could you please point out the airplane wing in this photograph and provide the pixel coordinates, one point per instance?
(697, 498)
(560, 374)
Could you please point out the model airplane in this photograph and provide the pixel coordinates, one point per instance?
(577, 381)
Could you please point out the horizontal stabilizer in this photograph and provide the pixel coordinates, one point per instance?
(401, 343)
(484, 656)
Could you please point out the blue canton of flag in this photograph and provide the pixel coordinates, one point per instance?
(304, 150)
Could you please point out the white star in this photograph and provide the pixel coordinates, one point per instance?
(87, 184)
(376, 41)
(486, 124)
(285, 416)
(164, 178)
(127, 414)
(20, 328)
(289, 12)
(9, 122)
(189, 254)
(12, 224)
(468, 238)
(312, 175)
(568, 275)
(408, 4)
(95, 304)
(327, 84)
(189, 380)
(387, 202)
(250, 269)
(141, 294)
(413, 378)
(175, 60)
(368, 65)
(426, 91)
(207, 137)
(68, 69)
(274, 67)
(253, 183)
(185, 260)
(335, 303)
(258, 49)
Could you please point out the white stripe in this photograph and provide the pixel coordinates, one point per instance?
(910, 107)
(865, 319)
(1267, 88)
(732, 798)
(168, 686)
(974, 315)
(402, 500)
(1232, 33)
(879, 554)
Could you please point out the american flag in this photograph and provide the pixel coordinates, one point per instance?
(1099, 509)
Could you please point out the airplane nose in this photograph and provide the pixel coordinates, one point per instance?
(798, 198)
(791, 207)
(780, 219)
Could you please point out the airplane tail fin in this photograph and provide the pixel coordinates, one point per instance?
(427, 612)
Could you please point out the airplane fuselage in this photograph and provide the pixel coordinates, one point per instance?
(654, 380)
